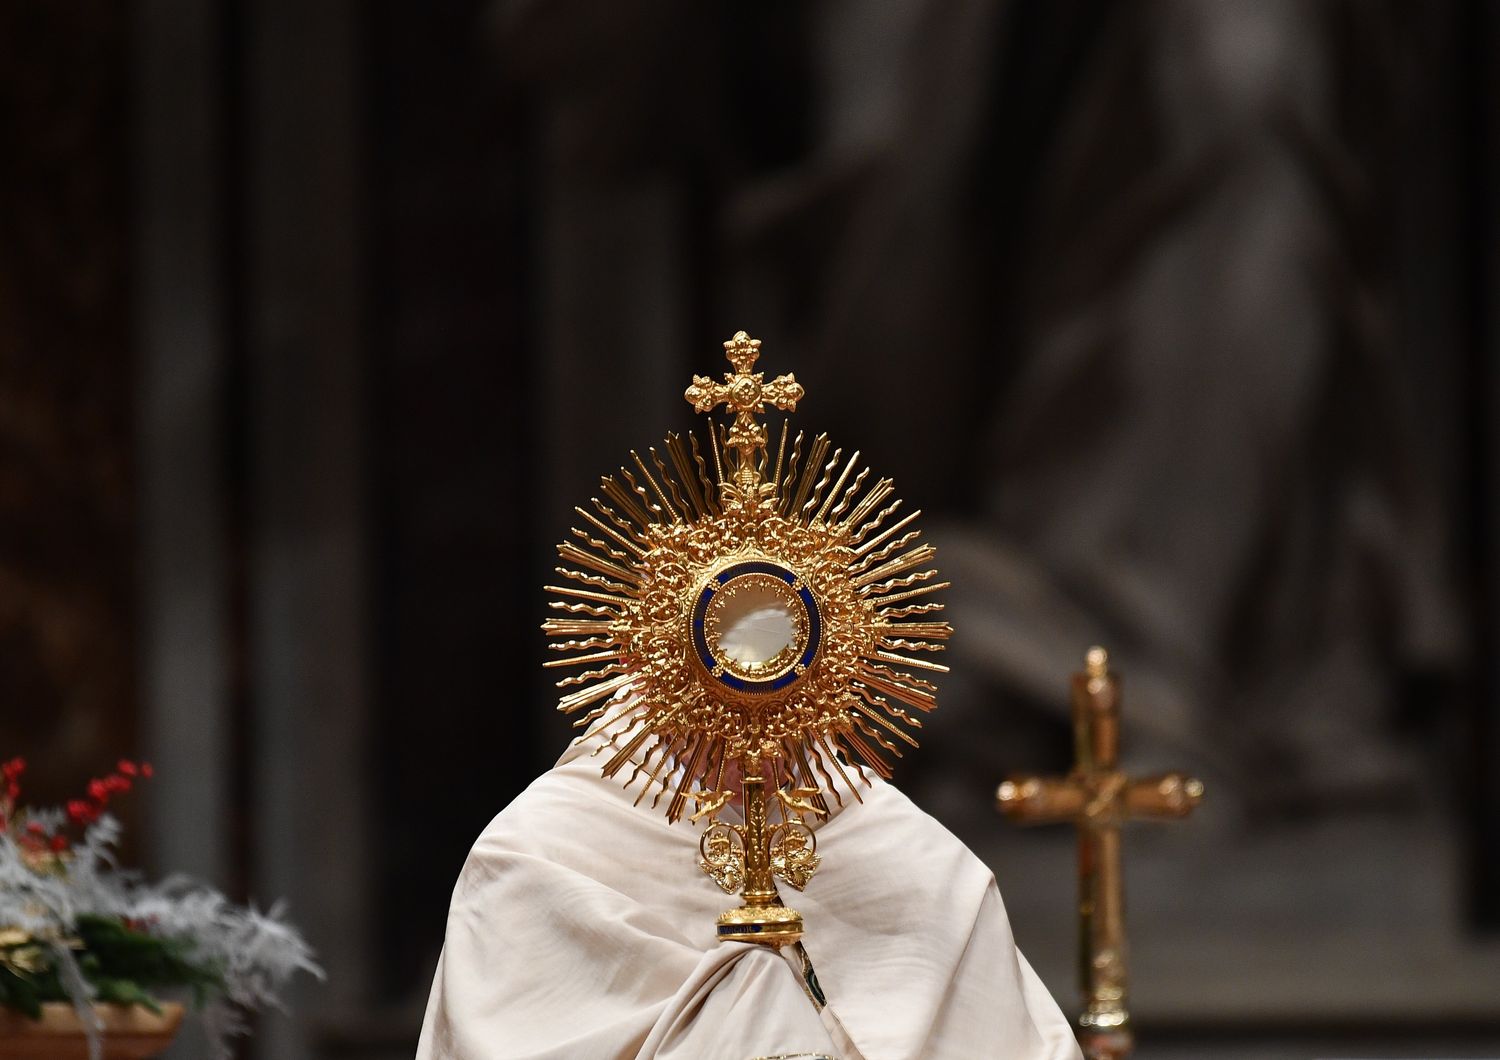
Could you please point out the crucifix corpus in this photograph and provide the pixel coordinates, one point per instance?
(1097, 797)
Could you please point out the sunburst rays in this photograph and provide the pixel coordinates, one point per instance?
(645, 551)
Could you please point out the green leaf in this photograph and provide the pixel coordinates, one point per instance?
(123, 965)
(113, 950)
(125, 992)
(18, 992)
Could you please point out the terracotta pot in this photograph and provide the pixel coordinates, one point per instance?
(130, 1033)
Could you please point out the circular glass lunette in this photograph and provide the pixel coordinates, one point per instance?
(756, 627)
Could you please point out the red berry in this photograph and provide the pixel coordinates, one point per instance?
(146, 770)
(36, 828)
(127, 767)
(59, 843)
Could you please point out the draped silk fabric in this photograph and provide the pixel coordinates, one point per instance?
(582, 928)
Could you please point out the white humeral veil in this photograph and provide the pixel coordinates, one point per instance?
(582, 929)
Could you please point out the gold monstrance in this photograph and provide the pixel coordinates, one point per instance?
(747, 623)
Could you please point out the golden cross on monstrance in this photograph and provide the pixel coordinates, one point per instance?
(1098, 798)
(745, 394)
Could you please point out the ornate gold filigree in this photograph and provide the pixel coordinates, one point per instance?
(793, 850)
(745, 394)
(794, 853)
(721, 854)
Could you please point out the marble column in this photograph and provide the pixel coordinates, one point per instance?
(307, 631)
(182, 355)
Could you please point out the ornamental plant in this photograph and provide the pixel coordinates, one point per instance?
(76, 928)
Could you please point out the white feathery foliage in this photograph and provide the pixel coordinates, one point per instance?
(80, 993)
(255, 953)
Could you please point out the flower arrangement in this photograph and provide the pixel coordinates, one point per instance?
(76, 928)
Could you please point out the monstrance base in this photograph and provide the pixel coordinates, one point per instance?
(767, 925)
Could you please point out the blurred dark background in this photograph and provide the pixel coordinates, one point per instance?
(1177, 318)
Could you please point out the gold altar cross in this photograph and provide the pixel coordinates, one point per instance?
(745, 394)
(1098, 798)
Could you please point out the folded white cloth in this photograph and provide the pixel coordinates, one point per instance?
(581, 928)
